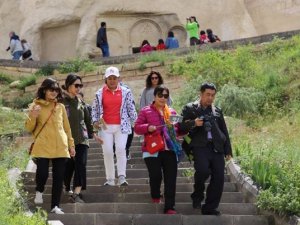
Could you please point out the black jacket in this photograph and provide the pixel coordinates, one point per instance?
(101, 37)
(220, 136)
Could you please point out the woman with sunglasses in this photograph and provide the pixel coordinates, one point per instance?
(155, 119)
(82, 130)
(48, 122)
(152, 81)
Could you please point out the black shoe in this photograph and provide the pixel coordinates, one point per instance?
(197, 203)
(211, 212)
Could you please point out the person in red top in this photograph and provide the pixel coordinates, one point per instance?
(146, 47)
(113, 111)
(161, 45)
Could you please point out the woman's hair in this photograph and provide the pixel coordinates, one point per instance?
(209, 31)
(71, 78)
(148, 79)
(145, 42)
(160, 89)
(48, 83)
(161, 41)
(170, 34)
(195, 19)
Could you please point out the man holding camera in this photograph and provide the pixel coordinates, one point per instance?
(210, 144)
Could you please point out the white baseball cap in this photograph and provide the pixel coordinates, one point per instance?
(112, 71)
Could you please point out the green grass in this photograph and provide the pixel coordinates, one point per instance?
(12, 121)
(12, 196)
(5, 79)
(259, 88)
(157, 56)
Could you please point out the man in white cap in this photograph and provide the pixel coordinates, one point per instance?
(113, 110)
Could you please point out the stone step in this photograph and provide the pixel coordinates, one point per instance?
(151, 208)
(30, 180)
(156, 219)
(134, 145)
(99, 155)
(143, 197)
(133, 166)
(139, 160)
(131, 188)
(130, 173)
(101, 180)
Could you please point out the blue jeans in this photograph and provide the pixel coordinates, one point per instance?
(17, 55)
(105, 50)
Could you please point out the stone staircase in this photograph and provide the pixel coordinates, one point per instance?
(132, 205)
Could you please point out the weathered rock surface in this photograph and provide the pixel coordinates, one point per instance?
(62, 29)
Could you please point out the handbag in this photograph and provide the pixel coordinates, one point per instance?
(32, 144)
(154, 142)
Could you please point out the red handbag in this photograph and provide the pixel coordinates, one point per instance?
(154, 142)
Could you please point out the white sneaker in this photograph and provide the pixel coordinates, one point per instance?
(110, 182)
(57, 210)
(38, 198)
(122, 181)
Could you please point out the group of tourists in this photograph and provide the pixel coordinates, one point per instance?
(192, 27)
(62, 123)
(20, 49)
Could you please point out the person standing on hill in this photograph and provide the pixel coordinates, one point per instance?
(48, 122)
(192, 28)
(113, 111)
(102, 42)
(210, 144)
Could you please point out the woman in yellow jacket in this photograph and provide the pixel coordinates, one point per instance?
(48, 122)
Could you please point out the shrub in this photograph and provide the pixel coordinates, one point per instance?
(12, 208)
(238, 102)
(76, 65)
(159, 56)
(11, 121)
(22, 102)
(46, 70)
(27, 81)
(5, 79)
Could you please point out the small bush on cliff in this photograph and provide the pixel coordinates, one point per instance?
(46, 70)
(76, 65)
(5, 79)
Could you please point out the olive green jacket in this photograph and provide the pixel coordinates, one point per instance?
(80, 120)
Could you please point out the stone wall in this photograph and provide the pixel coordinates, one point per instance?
(60, 29)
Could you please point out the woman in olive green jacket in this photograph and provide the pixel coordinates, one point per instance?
(82, 130)
(48, 122)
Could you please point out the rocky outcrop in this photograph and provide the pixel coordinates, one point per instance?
(62, 29)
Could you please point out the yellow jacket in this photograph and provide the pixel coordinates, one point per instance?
(56, 137)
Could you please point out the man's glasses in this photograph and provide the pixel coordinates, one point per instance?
(78, 85)
(154, 78)
(160, 95)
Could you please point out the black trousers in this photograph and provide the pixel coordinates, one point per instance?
(207, 163)
(163, 166)
(77, 165)
(129, 141)
(42, 173)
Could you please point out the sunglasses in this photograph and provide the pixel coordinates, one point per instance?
(154, 78)
(78, 85)
(160, 95)
(54, 89)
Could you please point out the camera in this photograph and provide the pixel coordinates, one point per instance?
(207, 124)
